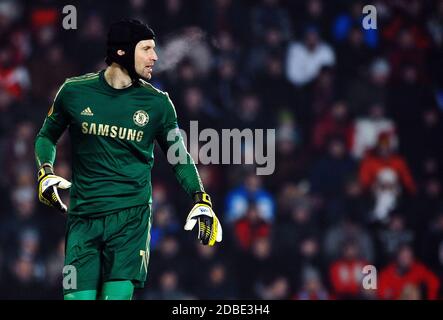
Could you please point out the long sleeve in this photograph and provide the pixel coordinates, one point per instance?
(53, 127)
(431, 280)
(171, 142)
(366, 172)
(406, 176)
(385, 284)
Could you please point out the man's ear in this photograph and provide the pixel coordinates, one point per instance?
(120, 52)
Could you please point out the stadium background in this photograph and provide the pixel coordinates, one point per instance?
(358, 116)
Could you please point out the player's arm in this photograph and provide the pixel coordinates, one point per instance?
(45, 151)
(170, 139)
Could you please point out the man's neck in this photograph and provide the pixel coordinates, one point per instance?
(117, 77)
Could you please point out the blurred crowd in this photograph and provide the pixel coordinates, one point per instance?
(358, 117)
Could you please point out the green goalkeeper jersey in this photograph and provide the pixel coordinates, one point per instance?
(112, 135)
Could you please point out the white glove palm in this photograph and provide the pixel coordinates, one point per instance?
(48, 183)
(210, 229)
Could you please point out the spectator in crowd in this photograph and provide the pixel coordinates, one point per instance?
(331, 169)
(385, 173)
(227, 82)
(344, 22)
(329, 174)
(259, 266)
(291, 158)
(23, 216)
(435, 31)
(168, 256)
(423, 144)
(250, 227)
(55, 263)
(323, 94)
(277, 288)
(238, 200)
(300, 224)
(270, 14)
(353, 55)
(312, 287)
(226, 46)
(305, 59)
(173, 15)
(225, 15)
(14, 79)
(348, 230)
(93, 32)
(411, 292)
(367, 130)
(405, 271)
(429, 202)
(165, 223)
(159, 195)
(204, 260)
(211, 176)
(391, 238)
(18, 147)
(185, 76)
(310, 12)
(168, 287)
(413, 107)
(307, 257)
(355, 204)
(364, 92)
(249, 113)
(346, 273)
(219, 284)
(279, 94)
(23, 279)
(334, 123)
(432, 246)
(273, 44)
(53, 58)
(198, 108)
(409, 50)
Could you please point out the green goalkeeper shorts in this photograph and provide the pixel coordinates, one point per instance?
(107, 248)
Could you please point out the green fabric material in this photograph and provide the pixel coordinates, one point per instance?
(117, 290)
(112, 136)
(108, 248)
(46, 151)
(81, 295)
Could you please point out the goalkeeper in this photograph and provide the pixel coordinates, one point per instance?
(114, 116)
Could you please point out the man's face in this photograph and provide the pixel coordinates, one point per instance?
(145, 57)
(405, 257)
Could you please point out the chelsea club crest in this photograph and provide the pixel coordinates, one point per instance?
(140, 118)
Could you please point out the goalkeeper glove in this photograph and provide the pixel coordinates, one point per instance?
(47, 187)
(210, 229)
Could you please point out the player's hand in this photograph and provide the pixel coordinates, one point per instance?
(209, 227)
(48, 183)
